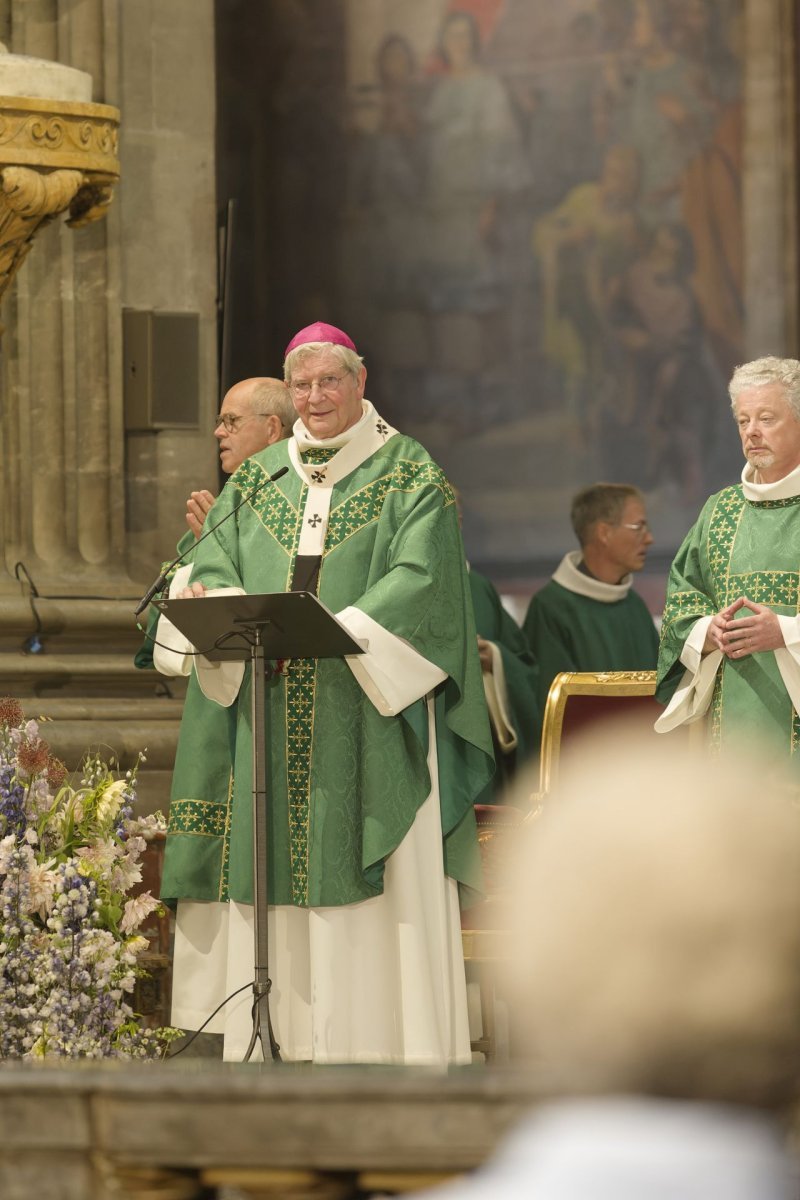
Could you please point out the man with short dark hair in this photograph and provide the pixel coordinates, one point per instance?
(730, 637)
(588, 618)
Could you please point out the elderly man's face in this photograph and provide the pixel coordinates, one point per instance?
(251, 431)
(769, 430)
(326, 396)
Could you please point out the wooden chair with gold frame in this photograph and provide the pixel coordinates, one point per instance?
(578, 699)
(590, 691)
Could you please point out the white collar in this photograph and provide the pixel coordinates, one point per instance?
(781, 489)
(307, 441)
(570, 577)
(354, 446)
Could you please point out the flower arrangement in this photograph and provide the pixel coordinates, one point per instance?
(69, 946)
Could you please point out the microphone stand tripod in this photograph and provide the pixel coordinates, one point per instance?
(262, 984)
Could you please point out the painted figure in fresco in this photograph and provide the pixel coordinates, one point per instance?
(712, 193)
(662, 113)
(593, 235)
(387, 179)
(588, 617)
(664, 405)
(374, 760)
(730, 637)
(682, 115)
(475, 156)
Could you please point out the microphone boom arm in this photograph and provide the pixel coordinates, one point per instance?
(159, 583)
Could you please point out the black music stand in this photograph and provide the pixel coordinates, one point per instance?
(256, 628)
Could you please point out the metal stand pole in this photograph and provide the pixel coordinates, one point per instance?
(262, 984)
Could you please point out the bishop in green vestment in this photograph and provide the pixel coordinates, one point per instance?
(374, 762)
(730, 636)
(588, 617)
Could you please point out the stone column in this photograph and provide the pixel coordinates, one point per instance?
(62, 443)
(770, 178)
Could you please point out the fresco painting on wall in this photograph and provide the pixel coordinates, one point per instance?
(542, 251)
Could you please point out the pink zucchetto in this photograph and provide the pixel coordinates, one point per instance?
(320, 332)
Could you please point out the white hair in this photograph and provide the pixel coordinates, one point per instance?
(762, 372)
(348, 358)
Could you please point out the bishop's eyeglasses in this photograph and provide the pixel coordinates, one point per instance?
(326, 383)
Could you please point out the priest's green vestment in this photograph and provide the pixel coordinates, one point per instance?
(371, 525)
(578, 623)
(746, 542)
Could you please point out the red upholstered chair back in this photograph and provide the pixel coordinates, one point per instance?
(579, 700)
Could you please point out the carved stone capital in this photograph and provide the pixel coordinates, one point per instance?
(54, 157)
(33, 193)
(49, 134)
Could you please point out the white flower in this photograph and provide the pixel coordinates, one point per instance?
(134, 846)
(100, 854)
(149, 825)
(136, 909)
(110, 801)
(125, 874)
(42, 884)
(7, 847)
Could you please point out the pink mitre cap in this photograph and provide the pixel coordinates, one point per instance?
(320, 332)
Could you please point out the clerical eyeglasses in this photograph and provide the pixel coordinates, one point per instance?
(233, 421)
(327, 383)
(640, 527)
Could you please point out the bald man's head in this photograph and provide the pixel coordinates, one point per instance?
(255, 413)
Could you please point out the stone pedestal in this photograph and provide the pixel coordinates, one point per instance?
(192, 1129)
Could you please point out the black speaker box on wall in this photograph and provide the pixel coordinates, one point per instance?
(161, 374)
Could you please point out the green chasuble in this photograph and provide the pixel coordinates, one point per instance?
(521, 677)
(344, 782)
(737, 547)
(570, 630)
(203, 772)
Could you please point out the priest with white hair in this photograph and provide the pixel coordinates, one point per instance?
(730, 637)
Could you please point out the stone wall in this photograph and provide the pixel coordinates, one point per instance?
(90, 509)
(85, 502)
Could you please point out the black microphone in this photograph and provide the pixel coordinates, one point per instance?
(162, 579)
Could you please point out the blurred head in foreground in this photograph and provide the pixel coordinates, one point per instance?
(658, 940)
